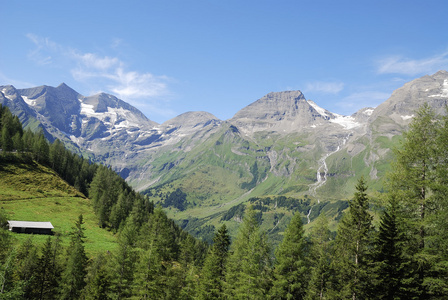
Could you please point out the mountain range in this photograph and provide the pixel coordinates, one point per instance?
(280, 145)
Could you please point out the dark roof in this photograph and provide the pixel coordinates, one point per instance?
(27, 224)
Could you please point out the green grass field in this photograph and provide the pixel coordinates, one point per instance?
(31, 192)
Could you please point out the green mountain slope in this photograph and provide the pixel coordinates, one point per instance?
(212, 183)
(32, 192)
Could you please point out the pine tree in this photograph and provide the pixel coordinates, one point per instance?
(9, 288)
(353, 245)
(49, 270)
(5, 237)
(28, 138)
(249, 272)
(157, 273)
(57, 157)
(7, 143)
(291, 270)
(151, 275)
(413, 183)
(124, 262)
(17, 142)
(389, 255)
(75, 270)
(40, 148)
(436, 279)
(27, 268)
(98, 285)
(7, 130)
(211, 283)
(118, 212)
(320, 260)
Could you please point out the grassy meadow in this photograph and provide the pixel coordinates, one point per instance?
(32, 192)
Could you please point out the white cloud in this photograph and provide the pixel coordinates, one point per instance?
(39, 54)
(324, 87)
(137, 85)
(91, 60)
(411, 67)
(102, 72)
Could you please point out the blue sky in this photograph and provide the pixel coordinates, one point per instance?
(169, 57)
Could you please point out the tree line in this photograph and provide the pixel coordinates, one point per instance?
(402, 255)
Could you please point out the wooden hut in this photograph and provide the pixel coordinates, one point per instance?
(30, 227)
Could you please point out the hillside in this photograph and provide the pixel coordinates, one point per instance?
(32, 192)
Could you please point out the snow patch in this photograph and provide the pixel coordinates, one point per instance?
(345, 121)
(74, 139)
(116, 117)
(313, 126)
(4, 93)
(368, 111)
(444, 90)
(87, 109)
(407, 117)
(28, 101)
(8, 97)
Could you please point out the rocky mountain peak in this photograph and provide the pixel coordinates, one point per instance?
(191, 119)
(100, 102)
(272, 105)
(282, 112)
(400, 107)
(57, 105)
(441, 73)
(103, 103)
(9, 96)
(8, 90)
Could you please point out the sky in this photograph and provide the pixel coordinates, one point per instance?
(168, 57)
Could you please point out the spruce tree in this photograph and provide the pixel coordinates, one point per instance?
(436, 279)
(124, 262)
(249, 273)
(7, 130)
(9, 287)
(414, 182)
(5, 235)
(291, 270)
(40, 148)
(7, 143)
(389, 255)
(27, 268)
(158, 270)
(353, 247)
(98, 279)
(211, 283)
(320, 260)
(75, 269)
(49, 270)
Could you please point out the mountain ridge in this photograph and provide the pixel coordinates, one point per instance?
(281, 144)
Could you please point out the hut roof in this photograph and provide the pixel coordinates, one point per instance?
(27, 224)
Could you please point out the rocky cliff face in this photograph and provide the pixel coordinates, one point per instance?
(59, 106)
